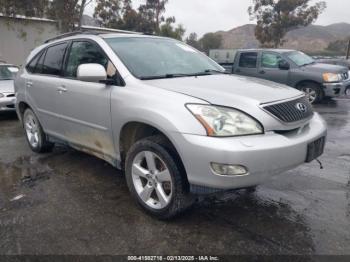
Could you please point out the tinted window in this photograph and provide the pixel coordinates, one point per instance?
(84, 53)
(31, 66)
(248, 60)
(40, 64)
(269, 60)
(53, 60)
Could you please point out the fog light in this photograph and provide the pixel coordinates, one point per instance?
(229, 170)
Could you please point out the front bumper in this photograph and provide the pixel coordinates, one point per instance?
(336, 89)
(264, 155)
(7, 103)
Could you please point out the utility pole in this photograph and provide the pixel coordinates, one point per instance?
(348, 50)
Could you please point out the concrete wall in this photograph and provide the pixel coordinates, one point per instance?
(19, 36)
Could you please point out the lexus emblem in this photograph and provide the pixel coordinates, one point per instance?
(301, 107)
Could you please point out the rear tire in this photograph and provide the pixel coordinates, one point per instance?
(156, 179)
(313, 92)
(35, 135)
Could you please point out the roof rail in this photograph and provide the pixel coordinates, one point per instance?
(80, 32)
(91, 30)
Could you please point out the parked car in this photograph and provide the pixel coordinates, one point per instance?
(294, 69)
(164, 113)
(7, 93)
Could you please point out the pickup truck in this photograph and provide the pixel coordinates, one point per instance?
(294, 69)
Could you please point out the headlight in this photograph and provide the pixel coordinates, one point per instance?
(223, 122)
(330, 77)
(1, 95)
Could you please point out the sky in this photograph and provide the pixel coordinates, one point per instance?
(202, 16)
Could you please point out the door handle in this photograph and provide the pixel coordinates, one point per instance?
(262, 72)
(29, 84)
(238, 70)
(62, 89)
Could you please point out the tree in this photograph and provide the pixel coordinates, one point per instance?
(210, 41)
(153, 12)
(275, 18)
(108, 12)
(338, 46)
(66, 12)
(192, 40)
(167, 29)
(29, 8)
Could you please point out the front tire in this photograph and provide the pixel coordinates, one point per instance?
(36, 137)
(313, 92)
(156, 179)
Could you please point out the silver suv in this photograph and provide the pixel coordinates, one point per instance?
(165, 114)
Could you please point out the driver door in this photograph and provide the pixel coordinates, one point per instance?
(269, 68)
(84, 107)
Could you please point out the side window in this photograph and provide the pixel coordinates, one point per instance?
(32, 64)
(39, 66)
(248, 60)
(269, 60)
(53, 60)
(85, 53)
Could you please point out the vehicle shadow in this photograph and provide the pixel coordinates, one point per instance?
(8, 115)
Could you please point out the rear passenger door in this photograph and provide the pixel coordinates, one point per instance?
(43, 79)
(269, 68)
(84, 107)
(247, 64)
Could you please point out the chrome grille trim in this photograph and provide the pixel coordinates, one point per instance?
(288, 112)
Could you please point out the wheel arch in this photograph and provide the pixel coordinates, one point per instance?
(298, 84)
(135, 131)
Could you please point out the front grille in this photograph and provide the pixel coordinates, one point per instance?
(291, 111)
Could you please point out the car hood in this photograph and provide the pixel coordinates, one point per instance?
(6, 86)
(228, 90)
(326, 68)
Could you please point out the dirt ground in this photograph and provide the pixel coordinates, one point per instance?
(68, 202)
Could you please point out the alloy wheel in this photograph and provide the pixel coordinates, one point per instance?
(32, 130)
(311, 94)
(152, 180)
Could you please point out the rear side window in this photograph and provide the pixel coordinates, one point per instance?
(248, 60)
(31, 66)
(53, 60)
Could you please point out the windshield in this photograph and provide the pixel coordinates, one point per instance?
(8, 72)
(300, 59)
(151, 58)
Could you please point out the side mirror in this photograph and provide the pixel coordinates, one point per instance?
(283, 65)
(91, 73)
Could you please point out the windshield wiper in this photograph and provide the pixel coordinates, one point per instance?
(216, 71)
(164, 76)
(205, 72)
